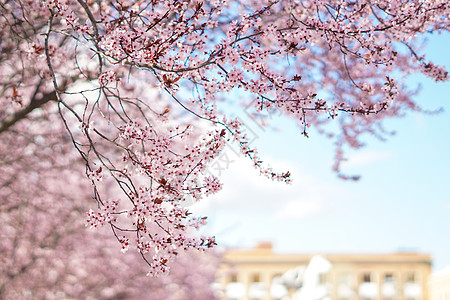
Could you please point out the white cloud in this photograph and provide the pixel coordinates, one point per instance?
(367, 157)
(246, 191)
(300, 209)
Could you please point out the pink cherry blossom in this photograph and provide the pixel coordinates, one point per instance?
(146, 80)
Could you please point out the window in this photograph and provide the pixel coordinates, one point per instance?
(345, 278)
(410, 277)
(389, 289)
(367, 277)
(388, 277)
(255, 278)
(276, 275)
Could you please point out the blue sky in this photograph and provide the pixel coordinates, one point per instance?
(401, 203)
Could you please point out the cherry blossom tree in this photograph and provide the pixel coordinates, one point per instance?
(135, 88)
(46, 251)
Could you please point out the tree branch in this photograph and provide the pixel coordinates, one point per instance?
(12, 119)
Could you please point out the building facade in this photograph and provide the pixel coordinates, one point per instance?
(260, 274)
(439, 285)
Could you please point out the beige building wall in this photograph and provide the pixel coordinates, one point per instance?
(393, 276)
(439, 285)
